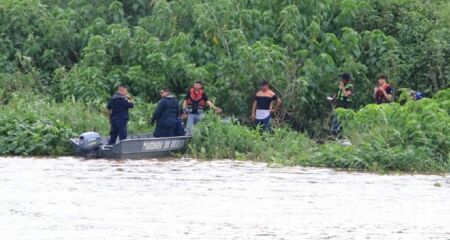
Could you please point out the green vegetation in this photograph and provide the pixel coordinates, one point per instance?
(413, 137)
(61, 60)
(33, 125)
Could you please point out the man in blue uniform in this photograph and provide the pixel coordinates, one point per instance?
(166, 116)
(118, 107)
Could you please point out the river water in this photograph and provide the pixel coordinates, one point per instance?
(70, 198)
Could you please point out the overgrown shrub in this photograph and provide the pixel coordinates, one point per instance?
(215, 139)
(390, 137)
(415, 136)
(37, 125)
(85, 48)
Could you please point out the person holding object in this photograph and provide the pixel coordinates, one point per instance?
(195, 103)
(343, 96)
(383, 92)
(341, 99)
(262, 107)
(166, 116)
(118, 107)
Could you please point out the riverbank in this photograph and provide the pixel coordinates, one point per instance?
(414, 137)
(60, 61)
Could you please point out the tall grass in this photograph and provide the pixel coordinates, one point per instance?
(214, 139)
(413, 137)
(37, 125)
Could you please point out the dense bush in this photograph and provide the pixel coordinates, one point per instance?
(37, 125)
(413, 137)
(216, 139)
(85, 48)
(76, 52)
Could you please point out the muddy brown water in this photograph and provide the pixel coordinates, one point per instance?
(69, 198)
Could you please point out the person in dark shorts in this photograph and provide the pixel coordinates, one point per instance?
(263, 106)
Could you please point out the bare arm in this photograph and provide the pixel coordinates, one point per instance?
(211, 105)
(277, 105)
(184, 104)
(387, 93)
(388, 96)
(347, 93)
(254, 110)
(375, 93)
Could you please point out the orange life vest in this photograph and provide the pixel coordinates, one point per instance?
(195, 100)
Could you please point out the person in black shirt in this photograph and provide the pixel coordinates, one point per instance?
(262, 107)
(166, 116)
(118, 107)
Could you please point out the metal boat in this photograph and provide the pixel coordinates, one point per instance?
(138, 146)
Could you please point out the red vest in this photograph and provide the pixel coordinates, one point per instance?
(380, 96)
(195, 100)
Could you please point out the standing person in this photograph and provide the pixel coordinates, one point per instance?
(195, 103)
(118, 107)
(383, 92)
(342, 99)
(166, 116)
(262, 107)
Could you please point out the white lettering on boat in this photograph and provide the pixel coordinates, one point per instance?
(163, 145)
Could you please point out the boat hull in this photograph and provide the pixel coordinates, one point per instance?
(140, 146)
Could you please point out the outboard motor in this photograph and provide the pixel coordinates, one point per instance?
(90, 142)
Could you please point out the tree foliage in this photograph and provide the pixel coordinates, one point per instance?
(82, 49)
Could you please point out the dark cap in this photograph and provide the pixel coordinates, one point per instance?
(345, 76)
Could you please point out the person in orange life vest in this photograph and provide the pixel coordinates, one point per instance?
(262, 107)
(383, 92)
(195, 103)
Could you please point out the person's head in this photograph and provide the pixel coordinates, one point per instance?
(345, 77)
(122, 90)
(165, 92)
(264, 85)
(382, 79)
(197, 85)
